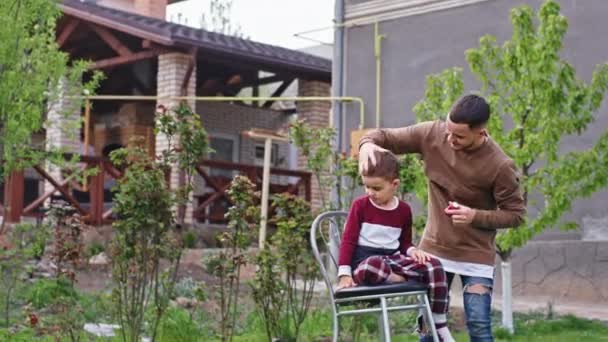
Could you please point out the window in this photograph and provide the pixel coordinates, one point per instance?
(225, 149)
(274, 155)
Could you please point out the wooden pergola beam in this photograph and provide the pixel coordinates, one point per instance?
(111, 40)
(67, 31)
(134, 57)
(188, 75)
(278, 92)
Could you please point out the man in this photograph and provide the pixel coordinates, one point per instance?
(473, 191)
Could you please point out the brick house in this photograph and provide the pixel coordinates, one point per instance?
(142, 54)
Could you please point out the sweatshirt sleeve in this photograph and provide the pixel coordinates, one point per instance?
(350, 237)
(405, 241)
(511, 207)
(400, 140)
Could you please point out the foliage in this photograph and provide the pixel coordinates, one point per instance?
(242, 217)
(316, 145)
(269, 293)
(537, 101)
(67, 241)
(142, 237)
(346, 173)
(44, 292)
(189, 239)
(27, 240)
(190, 288)
(144, 231)
(95, 248)
(180, 325)
(187, 143)
(33, 73)
(57, 296)
(283, 286)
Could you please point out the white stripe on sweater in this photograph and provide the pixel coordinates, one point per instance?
(379, 236)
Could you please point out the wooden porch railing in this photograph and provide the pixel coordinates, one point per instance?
(210, 205)
(213, 200)
(92, 211)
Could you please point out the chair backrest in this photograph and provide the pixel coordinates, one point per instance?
(325, 237)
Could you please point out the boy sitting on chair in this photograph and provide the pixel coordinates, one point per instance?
(377, 242)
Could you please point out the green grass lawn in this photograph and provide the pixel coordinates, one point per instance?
(529, 327)
(179, 325)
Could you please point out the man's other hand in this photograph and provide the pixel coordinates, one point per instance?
(461, 215)
(367, 157)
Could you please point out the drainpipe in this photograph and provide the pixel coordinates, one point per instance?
(378, 54)
(337, 76)
(337, 81)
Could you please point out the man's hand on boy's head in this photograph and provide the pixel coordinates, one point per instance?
(345, 282)
(366, 155)
(461, 214)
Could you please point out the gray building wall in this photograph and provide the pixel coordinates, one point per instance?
(421, 44)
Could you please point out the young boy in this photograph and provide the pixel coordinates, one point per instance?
(377, 242)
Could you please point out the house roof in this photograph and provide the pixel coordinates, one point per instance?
(171, 34)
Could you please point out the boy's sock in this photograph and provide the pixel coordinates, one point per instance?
(444, 335)
(441, 324)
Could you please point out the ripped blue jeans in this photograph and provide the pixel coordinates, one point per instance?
(477, 309)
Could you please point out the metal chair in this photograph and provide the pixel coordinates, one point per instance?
(326, 230)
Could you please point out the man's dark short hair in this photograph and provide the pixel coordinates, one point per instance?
(387, 166)
(472, 110)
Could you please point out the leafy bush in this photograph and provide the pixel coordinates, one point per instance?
(45, 292)
(95, 248)
(180, 325)
(189, 239)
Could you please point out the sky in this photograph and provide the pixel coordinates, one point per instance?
(269, 21)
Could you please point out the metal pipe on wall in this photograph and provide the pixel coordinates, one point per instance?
(378, 55)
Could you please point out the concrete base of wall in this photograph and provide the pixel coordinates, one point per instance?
(560, 271)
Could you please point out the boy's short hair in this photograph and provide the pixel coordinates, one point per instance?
(387, 166)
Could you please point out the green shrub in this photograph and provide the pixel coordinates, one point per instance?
(95, 248)
(189, 239)
(179, 325)
(45, 292)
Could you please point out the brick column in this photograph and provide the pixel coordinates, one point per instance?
(61, 132)
(172, 69)
(316, 114)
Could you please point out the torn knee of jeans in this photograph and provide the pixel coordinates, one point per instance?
(477, 289)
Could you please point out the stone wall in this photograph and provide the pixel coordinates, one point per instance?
(560, 271)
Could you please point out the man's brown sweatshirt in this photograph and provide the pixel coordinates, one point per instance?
(484, 179)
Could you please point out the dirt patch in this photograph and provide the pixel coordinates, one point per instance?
(96, 278)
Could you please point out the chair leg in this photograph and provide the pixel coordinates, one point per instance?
(381, 327)
(336, 325)
(429, 318)
(385, 322)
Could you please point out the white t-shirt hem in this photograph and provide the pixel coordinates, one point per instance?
(467, 268)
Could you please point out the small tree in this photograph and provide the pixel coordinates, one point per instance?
(145, 229)
(242, 217)
(536, 100)
(283, 286)
(33, 74)
(315, 144)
